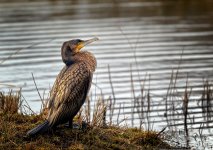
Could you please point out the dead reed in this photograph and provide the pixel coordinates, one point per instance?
(10, 102)
(177, 107)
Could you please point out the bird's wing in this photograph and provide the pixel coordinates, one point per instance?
(71, 94)
(55, 87)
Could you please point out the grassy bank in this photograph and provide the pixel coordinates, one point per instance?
(14, 125)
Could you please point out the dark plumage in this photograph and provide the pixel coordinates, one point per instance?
(71, 86)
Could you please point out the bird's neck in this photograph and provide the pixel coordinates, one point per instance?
(84, 57)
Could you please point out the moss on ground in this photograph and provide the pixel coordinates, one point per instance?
(13, 128)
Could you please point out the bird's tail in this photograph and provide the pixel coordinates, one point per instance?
(39, 129)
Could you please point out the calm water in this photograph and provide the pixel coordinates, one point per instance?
(138, 39)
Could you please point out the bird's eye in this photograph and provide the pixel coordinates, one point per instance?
(78, 41)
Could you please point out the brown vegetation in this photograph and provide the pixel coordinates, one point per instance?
(13, 128)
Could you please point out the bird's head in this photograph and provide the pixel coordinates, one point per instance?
(72, 47)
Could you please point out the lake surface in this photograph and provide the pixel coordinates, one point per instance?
(141, 43)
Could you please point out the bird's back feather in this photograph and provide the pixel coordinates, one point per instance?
(71, 93)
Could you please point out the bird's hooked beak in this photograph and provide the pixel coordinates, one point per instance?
(84, 43)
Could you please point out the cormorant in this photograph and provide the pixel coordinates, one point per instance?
(71, 86)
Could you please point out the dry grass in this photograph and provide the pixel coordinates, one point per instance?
(99, 133)
(10, 102)
(13, 128)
